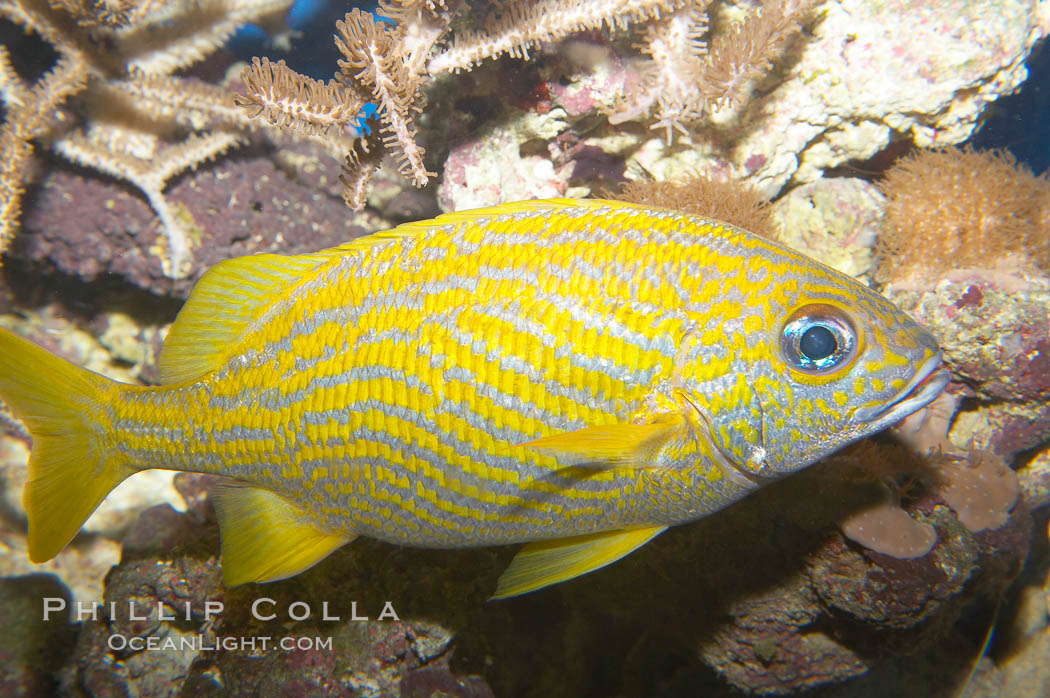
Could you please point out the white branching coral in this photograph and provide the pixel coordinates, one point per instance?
(692, 73)
(142, 123)
(31, 111)
(135, 120)
(521, 26)
(689, 73)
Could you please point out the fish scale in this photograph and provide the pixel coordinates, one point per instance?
(578, 373)
(479, 338)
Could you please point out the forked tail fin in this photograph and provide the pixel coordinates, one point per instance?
(69, 474)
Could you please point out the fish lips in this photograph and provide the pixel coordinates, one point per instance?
(921, 390)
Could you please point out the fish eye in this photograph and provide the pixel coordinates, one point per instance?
(818, 339)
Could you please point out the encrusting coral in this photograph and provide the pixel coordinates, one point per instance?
(881, 524)
(689, 73)
(134, 119)
(957, 209)
(974, 482)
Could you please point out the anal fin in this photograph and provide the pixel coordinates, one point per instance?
(549, 562)
(265, 538)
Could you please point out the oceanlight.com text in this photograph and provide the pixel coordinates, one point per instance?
(205, 643)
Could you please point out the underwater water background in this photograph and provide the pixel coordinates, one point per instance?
(776, 595)
(1018, 122)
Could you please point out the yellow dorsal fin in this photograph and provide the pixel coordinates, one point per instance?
(549, 562)
(222, 305)
(234, 292)
(264, 538)
(507, 209)
(425, 227)
(610, 445)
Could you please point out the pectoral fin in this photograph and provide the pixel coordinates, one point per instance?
(608, 446)
(265, 538)
(549, 562)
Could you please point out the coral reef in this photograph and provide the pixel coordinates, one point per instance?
(765, 597)
(977, 485)
(860, 75)
(830, 96)
(689, 71)
(967, 265)
(487, 171)
(834, 220)
(878, 572)
(167, 590)
(995, 335)
(134, 118)
(541, 100)
(768, 597)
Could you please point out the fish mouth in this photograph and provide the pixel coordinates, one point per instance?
(924, 386)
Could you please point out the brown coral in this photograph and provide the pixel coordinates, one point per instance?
(731, 202)
(958, 208)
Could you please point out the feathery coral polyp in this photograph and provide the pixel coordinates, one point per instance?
(289, 100)
(958, 208)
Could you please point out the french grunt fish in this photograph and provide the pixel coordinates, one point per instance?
(574, 374)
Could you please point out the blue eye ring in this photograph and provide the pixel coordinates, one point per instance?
(818, 340)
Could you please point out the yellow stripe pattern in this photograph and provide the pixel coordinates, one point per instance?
(389, 384)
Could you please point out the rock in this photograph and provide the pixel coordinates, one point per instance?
(177, 630)
(497, 168)
(32, 647)
(995, 335)
(237, 206)
(835, 221)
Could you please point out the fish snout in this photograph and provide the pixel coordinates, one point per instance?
(925, 384)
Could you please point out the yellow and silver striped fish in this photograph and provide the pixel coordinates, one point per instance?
(575, 374)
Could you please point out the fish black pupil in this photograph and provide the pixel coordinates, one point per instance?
(817, 343)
